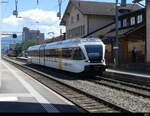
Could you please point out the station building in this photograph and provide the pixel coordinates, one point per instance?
(97, 19)
(132, 34)
(83, 17)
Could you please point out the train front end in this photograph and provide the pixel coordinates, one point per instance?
(95, 57)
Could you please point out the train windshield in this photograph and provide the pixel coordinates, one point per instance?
(94, 52)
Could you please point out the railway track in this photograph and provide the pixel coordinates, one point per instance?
(131, 88)
(86, 101)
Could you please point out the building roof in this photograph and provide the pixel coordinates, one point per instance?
(100, 8)
(54, 39)
(96, 8)
(135, 1)
(34, 31)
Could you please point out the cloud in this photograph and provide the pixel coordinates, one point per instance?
(11, 20)
(46, 21)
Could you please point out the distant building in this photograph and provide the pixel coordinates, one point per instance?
(28, 34)
(12, 46)
(7, 41)
(83, 17)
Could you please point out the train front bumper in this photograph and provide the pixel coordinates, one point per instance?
(95, 68)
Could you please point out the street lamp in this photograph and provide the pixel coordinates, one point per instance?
(51, 33)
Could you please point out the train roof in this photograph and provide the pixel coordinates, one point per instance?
(34, 47)
(69, 43)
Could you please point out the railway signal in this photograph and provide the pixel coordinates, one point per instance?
(14, 35)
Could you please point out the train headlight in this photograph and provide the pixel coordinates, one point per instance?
(102, 60)
(88, 61)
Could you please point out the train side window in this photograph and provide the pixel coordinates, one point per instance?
(33, 54)
(41, 53)
(46, 53)
(66, 53)
(78, 54)
(52, 53)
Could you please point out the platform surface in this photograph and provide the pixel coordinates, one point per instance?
(22, 94)
(131, 73)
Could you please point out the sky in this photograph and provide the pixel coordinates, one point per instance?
(42, 16)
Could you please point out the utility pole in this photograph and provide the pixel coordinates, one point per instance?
(37, 2)
(15, 12)
(0, 27)
(59, 13)
(117, 47)
(117, 40)
(1, 2)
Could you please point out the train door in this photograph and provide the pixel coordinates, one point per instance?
(42, 55)
(59, 60)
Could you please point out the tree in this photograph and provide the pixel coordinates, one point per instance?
(24, 45)
(18, 48)
(28, 43)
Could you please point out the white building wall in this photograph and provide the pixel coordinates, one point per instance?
(82, 20)
(96, 22)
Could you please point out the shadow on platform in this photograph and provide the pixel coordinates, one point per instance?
(25, 107)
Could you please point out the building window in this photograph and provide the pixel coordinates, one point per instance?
(78, 17)
(140, 19)
(132, 21)
(119, 24)
(124, 22)
(76, 32)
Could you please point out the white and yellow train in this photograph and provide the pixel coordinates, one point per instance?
(73, 55)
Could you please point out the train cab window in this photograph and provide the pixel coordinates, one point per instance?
(78, 54)
(95, 52)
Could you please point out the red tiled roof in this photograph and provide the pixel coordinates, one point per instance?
(34, 31)
(58, 38)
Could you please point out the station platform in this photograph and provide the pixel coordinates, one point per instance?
(20, 93)
(129, 73)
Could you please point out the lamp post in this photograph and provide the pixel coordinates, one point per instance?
(53, 34)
